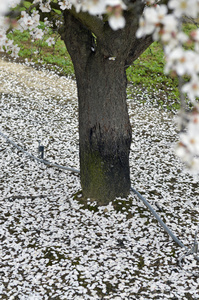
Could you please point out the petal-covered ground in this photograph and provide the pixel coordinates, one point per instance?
(54, 247)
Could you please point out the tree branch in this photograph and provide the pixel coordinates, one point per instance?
(92, 23)
(139, 46)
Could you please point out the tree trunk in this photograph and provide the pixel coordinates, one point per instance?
(104, 130)
(104, 127)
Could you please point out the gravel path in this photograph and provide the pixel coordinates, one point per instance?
(53, 247)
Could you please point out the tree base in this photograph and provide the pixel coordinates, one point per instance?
(103, 178)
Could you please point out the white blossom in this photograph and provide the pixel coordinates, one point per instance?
(188, 147)
(184, 7)
(45, 6)
(151, 18)
(65, 4)
(94, 7)
(50, 41)
(3, 7)
(116, 22)
(192, 88)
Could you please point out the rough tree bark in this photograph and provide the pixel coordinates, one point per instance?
(100, 57)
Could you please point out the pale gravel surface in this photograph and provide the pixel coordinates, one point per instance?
(51, 247)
